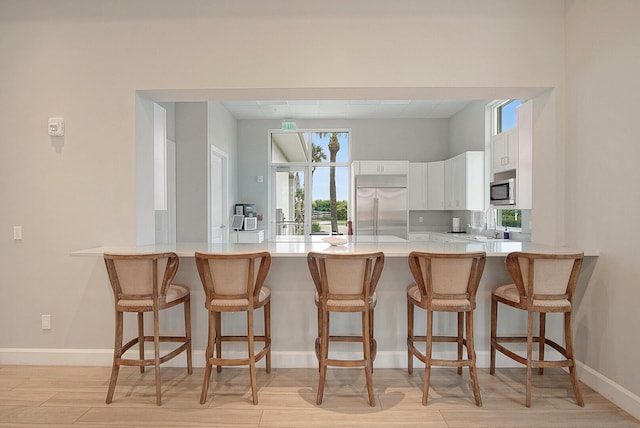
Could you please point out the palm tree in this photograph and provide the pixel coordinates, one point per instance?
(334, 147)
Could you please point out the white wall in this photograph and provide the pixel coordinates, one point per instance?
(67, 58)
(601, 174)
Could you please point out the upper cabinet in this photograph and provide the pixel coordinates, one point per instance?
(418, 186)
(504, 151)
(426, 186)
(435, 185)
(380, 167)
(464, 181)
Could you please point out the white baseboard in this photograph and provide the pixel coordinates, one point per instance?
(618, 395)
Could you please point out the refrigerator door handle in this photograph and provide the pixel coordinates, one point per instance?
(375, 216)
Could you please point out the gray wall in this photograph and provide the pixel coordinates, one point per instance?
(191, 172)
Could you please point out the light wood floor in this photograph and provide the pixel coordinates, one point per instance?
(36, 396)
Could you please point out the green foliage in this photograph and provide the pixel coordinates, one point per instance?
(511, 218)
(325, 206)
(315, 226)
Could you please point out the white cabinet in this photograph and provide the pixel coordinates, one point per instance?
(504, 151)
(380, 167)
(417, 186)
(435, 185)
(464, 181)
(426, 186)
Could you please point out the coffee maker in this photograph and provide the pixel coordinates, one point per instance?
(249, 215)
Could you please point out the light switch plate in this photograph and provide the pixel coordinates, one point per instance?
(17, 233)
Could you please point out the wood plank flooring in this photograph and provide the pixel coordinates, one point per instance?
(55, 396)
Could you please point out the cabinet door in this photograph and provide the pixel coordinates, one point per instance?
(504, 151)
(384, 167)
(454, 182)
(435, 185)
(417, 186)
(394, 167)
(464, 181)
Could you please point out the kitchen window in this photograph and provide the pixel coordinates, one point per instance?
(510, 218)
(310, 181)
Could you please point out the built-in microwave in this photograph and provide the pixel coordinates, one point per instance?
(503, 192)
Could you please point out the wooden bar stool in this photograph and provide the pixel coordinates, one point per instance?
(235, 283)
(142, 283)
(542, 283)
(445, 282)
(345, 283)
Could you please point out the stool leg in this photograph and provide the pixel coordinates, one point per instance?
(187, 333)
(409, 337)
(218, 338)
(529, 358)
(427, 360)
(117, 353)
(156, 355)
(460, 341)
(541, 334)
(568, 334)
(207, 358)
(324, 351)
(471, 354)
(252, 356)
(141, 338)
(494, 330)
(366, 345)
(267, 333)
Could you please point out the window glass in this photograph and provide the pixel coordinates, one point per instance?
(289, 202)
(506, 115)
(510, 218)
(323, 142)
(319, 205)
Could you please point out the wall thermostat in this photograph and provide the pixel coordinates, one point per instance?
(56, 126)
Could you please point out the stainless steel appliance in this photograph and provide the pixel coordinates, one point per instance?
(381, 205)
(503, 192)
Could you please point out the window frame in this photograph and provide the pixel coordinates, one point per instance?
(306, 166)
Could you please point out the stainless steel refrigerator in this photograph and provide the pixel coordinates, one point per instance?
(381, 205)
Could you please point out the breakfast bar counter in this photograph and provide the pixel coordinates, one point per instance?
(293, 313)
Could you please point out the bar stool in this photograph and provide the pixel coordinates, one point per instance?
(235, 283)
(345, 283)
(445, 282)
(542, 283)
(142, 283)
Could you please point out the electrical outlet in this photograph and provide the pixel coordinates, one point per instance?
(46, 322)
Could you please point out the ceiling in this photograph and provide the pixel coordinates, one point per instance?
(345, 109)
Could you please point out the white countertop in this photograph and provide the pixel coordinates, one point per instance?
(392, 246)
